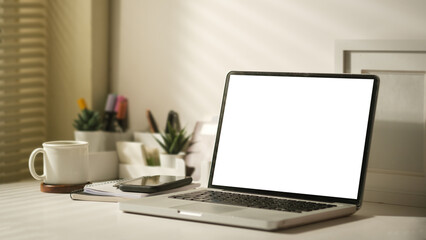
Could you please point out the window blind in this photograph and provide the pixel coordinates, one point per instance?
(23, 64)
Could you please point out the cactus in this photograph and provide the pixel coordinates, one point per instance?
(88, 120)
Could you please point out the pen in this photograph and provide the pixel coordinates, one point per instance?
(152, 123)
(173, 120)
(121, 108)
(120, 98)
(109, 113)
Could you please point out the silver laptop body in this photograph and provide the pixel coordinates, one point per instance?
(296, 136)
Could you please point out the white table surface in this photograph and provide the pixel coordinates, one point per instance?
(27, 213)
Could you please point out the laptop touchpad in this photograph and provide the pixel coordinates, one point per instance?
(207, 208)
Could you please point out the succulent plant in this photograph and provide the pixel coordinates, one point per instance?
(88, 120)
(174, 141)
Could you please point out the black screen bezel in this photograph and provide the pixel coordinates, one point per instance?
(373, 103)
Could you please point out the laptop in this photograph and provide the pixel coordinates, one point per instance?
(291, 149)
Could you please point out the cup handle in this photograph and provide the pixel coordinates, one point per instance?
(31, 164)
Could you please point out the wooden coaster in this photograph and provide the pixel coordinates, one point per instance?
(60, 188)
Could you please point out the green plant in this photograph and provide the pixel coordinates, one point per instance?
(174, 141)
(88, 120)
(152, 156)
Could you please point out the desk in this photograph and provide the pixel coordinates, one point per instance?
(27, 213)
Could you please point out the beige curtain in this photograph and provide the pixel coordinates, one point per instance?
(23, 64)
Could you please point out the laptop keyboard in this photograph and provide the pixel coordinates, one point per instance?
(244, 200)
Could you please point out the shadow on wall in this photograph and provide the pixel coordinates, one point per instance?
(398, 146)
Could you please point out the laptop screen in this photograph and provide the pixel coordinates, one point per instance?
(301, 134)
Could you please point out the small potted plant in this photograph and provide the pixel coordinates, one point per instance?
(87, 127)
(174, 142)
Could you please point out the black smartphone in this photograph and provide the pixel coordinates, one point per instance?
(152, 184)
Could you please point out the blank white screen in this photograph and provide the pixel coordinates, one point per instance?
(294, 134)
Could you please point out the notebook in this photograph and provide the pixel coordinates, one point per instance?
(291, 149)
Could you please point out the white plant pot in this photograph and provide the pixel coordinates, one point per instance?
(100, 141)
(96, 139)
(169, 160)
(148, 139)
(130, 153)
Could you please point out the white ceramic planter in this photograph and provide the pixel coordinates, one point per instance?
(130, 153)
(168, 160)
(96, 140)
(100, 141)
(148, 139)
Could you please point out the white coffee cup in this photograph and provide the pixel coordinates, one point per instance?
(64, 162)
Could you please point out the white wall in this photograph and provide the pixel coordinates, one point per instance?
(78, 49)
(174, 54)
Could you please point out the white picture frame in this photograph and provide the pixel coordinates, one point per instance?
(401, 65)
